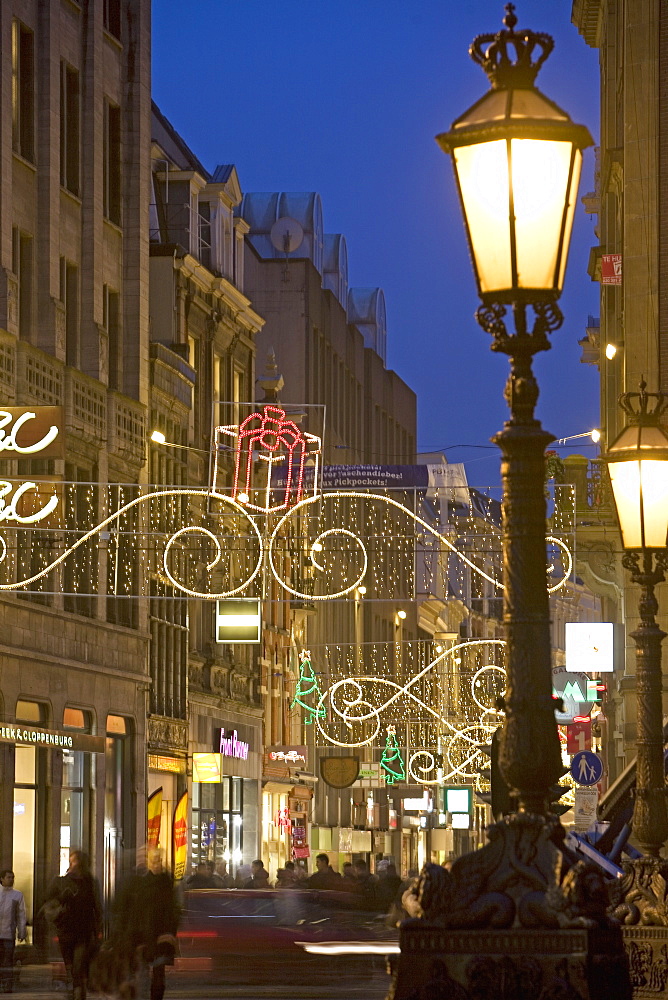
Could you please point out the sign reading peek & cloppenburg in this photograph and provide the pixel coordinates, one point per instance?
(56, 739)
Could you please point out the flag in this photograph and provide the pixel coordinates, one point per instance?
(180, 836)
(154, 815)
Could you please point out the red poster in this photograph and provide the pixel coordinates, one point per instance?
(578, 736)
(611, 269)
(302, 852)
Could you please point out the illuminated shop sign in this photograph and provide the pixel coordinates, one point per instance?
(238, 620)
(590, 647)
(52, 738)
(207, 768)
(34, 431)
(26, 502)
(173, 764)
(288, 755)
(230, 746)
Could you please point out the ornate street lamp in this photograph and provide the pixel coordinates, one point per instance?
(638, 465)
(517, 159)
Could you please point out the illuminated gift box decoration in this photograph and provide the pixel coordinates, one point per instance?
(271, 460)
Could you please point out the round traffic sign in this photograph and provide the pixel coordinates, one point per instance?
(587, 768)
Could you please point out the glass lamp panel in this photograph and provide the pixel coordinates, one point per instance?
(533, 104)
(482, 170)
(491, 108)
(654, 481)
(570, 213)
(625, 482)
(640, 489)
(540, 176)
(652, 436)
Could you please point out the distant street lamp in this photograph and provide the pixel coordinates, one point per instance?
(638, 465)
(517, 159)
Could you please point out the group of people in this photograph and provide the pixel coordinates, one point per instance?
(146, 914)
(144, 925)
(208, 876)
(376, 893)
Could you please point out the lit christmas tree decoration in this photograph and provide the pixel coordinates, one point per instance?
(392, 761)
(308, 694)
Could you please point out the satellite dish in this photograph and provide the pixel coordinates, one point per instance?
(286, 234)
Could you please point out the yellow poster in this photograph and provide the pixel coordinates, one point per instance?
(154, 811)
(180, 836)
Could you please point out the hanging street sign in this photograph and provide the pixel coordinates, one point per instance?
(587, 768)
(578, 736)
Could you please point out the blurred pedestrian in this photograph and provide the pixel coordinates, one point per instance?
(348, 876)
(365, 885)
(74, 900)
(203, 877)
(147, 919)
(243, 875)
(222, 877)
(300, 872)
(387, 885)
(324, 877)
(12, 925)
(259, 878)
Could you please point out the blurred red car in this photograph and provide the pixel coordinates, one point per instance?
(249, 926)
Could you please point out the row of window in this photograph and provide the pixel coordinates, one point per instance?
(24, 267)
(23, 120)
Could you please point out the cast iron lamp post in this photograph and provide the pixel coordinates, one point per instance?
(517, 160)
(502, 925)
(638, 465)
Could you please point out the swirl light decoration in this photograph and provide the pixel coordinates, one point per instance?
(349, 700)
(268, 546)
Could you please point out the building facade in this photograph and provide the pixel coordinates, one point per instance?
(74, 272)
(630, 261)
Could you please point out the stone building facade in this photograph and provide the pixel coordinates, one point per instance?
(631, 342)
(74, 271)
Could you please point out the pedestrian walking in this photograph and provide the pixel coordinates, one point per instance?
(365, 885)
(324, 877)
(12, 925)
(259, 878)
(387, 885)
(222, 878)
(146, 921)
(73, 901)
(203, 878)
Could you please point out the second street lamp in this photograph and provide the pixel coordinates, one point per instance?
(638, 465)
(502, 924)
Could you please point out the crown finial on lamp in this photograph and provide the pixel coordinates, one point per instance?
(493, 53)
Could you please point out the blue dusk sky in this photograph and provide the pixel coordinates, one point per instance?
(344, 97)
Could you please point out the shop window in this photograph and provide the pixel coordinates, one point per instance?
(75, 792)
(74, 718)
(25, 795)
(30, 711)
(217, 830)
(116, 802)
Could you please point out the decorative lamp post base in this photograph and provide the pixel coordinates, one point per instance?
(641, 904)
(500, 926)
